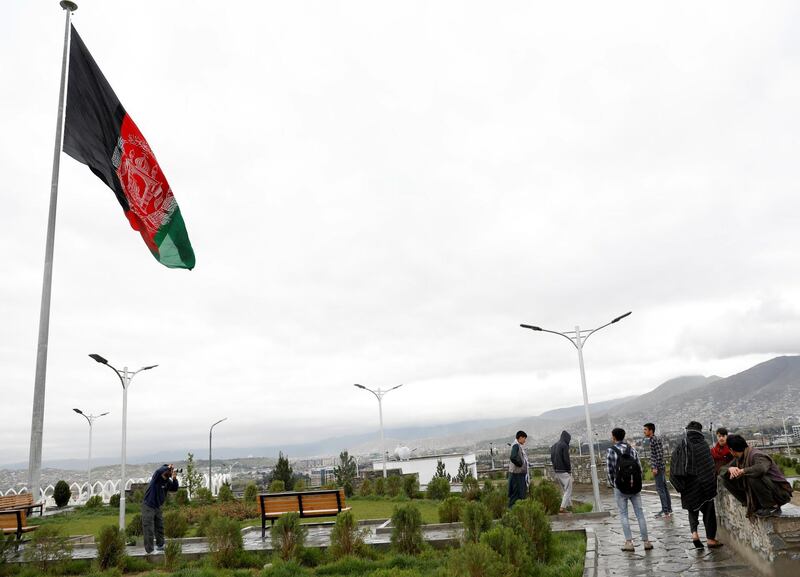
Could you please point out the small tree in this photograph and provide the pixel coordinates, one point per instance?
(61, 493)
(224, 541)
(394, 484)
(463, 471)
(346, 471)
(438, 488)
(407, 532)
(194, 479)
(346, 537)
(283, 472)
(441, 472)
(380, 486)
(288, 536)
(49, 546)
(366, 488)
(410, 486)
(251, 492)
(110, 548)
(225, 494)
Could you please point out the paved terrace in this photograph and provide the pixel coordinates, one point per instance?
(673, 553)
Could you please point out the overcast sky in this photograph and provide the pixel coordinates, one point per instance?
(380, 193)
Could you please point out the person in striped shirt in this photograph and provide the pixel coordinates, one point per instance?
(659, 468)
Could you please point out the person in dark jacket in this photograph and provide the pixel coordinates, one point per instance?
(693, 476)
(755, 480)
(559, 456)
(163, 480)
(518, 470)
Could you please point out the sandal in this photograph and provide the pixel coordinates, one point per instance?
(716, 545)
(628, 547)
(698, 544)
(648, 546)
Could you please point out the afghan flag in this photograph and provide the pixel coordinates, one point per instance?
(100, 134)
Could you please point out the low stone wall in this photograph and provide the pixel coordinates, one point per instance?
(581, 470)
(770, 545)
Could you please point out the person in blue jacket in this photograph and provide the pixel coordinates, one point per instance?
(163, 480)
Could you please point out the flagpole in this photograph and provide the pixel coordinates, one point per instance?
(37, 418)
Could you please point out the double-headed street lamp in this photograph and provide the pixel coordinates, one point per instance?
(578, 339)
(209, 450)
(91, 419)
(125, 377)
(379, 395)
(785, 434)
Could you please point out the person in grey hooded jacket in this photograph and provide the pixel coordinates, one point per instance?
(559, 456)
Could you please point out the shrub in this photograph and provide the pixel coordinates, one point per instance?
(134, 527)
(173, 555)
(476, 519)
(380, 486)
(496, 502)
(410, 486)
(251, 492)
(510, 546)
(284, 569)
(346, 537)
(796, 485)
(94, 502)
(394, 485)
(478, 560)
(203, 496)
(110, 548)
(488, 487)
(136, 497)
(538, 473)
(61, 493)
(407, 529)
(470, 489)
(277, 486)
(204, 522)
(182, 497)
(288, 536)
(225, 494)
(528, 519)
(299, 485)
(311, 557)
(113, 501)
(348, 488)
(438, 488)
(548, 495)
(49, 546)
(365, 490)
(224, 542)
(450, 510)
(175, 524)
(135, 565)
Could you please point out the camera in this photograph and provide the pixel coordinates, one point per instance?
(178, 470)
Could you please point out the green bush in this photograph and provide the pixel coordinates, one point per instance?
(411, 486)
(438, 488)
(497, 503)
(478, 560)
(113, 501)
(251, 492)
(346, 537)
(204, 522)
(110, 548)
(48, 547)
(203, 496)
(394, 485)
(277, 486)
(135, 565)
(450, 510)
(380, 486)
(288, 536)
(796, 485)
(284, 569)
(538, 473)
(173, 555)
(548, 495)
(510, 546)
(528, 518)
(175, 524)
(182, 497)
(224, 542)
(136, 497)
(407, 529)
(365, 490)
(61, 493)
(476, 519)
(470, 489)
(94, 502)
(299, 485)
(225, 494)
(348, 488)
(311, 557)
(488, 487)
(134, 527)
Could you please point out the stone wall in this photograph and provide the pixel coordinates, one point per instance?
(581, 470)
(771, 545)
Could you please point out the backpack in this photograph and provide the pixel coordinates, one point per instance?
(627, 473)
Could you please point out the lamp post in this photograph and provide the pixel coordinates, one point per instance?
(785, 434)
(379, 394)
(578, 339)
(209, 450)
(125, 378)
(91, 419)
(491, 454)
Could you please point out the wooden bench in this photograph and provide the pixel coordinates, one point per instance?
(306, 503)
(15, 522)
(23, 501)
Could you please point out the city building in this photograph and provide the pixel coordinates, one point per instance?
(425, 467)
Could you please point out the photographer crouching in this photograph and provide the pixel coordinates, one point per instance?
(164, 479)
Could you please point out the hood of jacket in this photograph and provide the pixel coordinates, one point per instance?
(566, 437)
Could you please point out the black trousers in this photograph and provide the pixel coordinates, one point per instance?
(517, 488)
(709, 512)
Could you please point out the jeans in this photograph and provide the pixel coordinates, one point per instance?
(152, 525)
(709, 519)
(565, 480)
(622, 504)
(663, 492)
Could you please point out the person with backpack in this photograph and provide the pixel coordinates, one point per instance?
(625, 475)
(693, 476)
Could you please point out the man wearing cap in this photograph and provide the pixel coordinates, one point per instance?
(755, 480)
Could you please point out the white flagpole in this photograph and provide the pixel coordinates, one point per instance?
(37, 419)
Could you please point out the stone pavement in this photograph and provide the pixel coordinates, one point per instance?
(673, 552)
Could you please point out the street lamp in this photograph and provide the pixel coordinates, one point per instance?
(578, 339)
(491, 453)
(785, 434)
(125, 378)
(379, 395)
(91, 419)
(209, 450)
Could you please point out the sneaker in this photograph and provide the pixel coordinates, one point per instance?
(769, 512)
(160, 548)
(628, 546)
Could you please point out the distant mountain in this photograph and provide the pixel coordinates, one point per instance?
(568, 413)
(663, 392)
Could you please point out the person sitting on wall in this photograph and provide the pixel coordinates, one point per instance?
(755, 480)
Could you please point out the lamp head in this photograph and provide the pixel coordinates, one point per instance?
(360, 386)
(103, 414)
(619, 318)
(531, 327)
(99, 359)
(78, 411)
